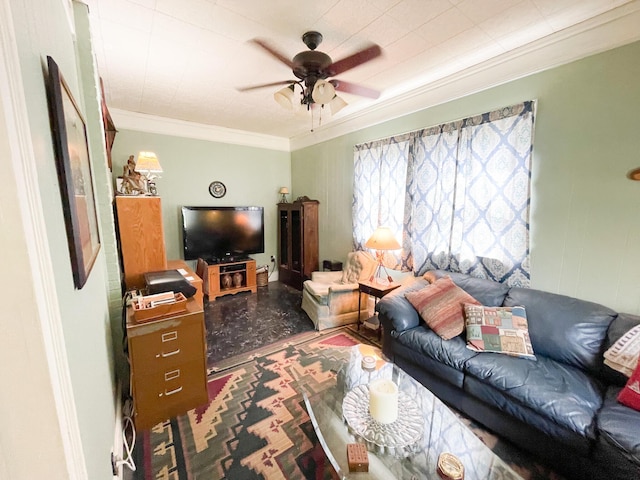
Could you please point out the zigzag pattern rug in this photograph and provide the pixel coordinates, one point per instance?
(256, 426)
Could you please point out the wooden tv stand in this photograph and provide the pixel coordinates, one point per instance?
(230, 278)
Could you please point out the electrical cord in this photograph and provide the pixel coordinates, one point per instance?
(273, 268)
(127, 409)
(128, 460)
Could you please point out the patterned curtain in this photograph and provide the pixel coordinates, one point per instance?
(465, 198)
(380, 188)
(432, 189)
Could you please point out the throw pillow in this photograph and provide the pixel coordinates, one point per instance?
(623, 355)
(630, 394)
(441, 306)
(430, 276)
(352, 268)
(498, 330)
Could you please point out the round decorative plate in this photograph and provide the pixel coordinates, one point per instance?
(399, 438)
(217, 189)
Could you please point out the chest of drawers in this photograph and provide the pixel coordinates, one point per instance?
(168, 365)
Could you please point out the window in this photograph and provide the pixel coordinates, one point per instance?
(457, 194)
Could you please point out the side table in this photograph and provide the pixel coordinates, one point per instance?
(377, 290)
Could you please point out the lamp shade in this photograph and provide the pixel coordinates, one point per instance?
(383, 239)
(285, 97)
(323, 92)
(283, 190)
(148, 162)
(337, 104)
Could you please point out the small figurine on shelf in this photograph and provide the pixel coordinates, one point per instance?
(226, 281)
(132, 181)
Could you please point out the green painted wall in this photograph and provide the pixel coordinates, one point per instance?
(43, 28)
(252, 176)
(584, 228)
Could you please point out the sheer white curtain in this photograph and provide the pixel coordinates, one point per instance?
(464, 203)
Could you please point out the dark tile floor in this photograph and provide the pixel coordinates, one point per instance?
(243, 322)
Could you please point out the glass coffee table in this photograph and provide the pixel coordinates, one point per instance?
(407, 449)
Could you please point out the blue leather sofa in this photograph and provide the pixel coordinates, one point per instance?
(561, 407)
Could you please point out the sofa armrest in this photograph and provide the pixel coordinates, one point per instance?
(396, 313)
(343, 287)
(326, 277)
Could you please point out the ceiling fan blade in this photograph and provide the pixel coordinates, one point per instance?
(354, 60)
(272, 51)
(263, 85)
(349, 87)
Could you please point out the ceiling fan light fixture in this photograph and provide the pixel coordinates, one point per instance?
(337, 104)
(286, 97)
(323, 92)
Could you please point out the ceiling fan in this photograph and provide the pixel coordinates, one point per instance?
(312, 68)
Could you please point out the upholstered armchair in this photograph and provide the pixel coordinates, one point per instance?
(331, 298)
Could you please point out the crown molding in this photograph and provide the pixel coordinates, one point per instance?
(609, 30)
(142, 122)
(612, 29)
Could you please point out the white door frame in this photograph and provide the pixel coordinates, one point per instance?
(15, 135)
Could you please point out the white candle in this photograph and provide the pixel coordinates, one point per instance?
(383, 401)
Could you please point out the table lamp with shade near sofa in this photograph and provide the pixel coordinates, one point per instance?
(381, 240)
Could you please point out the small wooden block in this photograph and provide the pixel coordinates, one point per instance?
(357, 457)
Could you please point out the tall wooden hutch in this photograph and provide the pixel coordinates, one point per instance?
(297, 241)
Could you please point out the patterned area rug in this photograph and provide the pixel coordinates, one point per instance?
(256, 425)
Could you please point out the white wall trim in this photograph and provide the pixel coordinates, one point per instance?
(30, 205)
(142, 122)
(68, 8)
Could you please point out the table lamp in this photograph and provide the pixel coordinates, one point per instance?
(148, 166)
(381, 240)
(283, 191)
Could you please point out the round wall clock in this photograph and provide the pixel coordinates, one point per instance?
(217, 189)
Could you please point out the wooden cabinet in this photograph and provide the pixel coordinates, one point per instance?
(297, 241)
(141, 237)
(230, 278)
(168, 365)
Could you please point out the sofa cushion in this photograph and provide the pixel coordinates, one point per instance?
(424, 340)
(441, 306)
(498, 329)
(501, 404)
(620, 326)
(566, 329)
(618, 425)
(559, 392)
(412, 361)
(395, 310)
(487, 292)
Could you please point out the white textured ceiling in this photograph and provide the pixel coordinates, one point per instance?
(183, 59)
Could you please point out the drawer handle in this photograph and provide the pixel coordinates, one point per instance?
(172, 392)
(165, 355)
(171, 375)
(169, 336)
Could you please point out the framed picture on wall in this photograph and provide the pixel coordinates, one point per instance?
(74, 175)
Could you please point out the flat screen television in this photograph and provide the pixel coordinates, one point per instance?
(222, 233)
